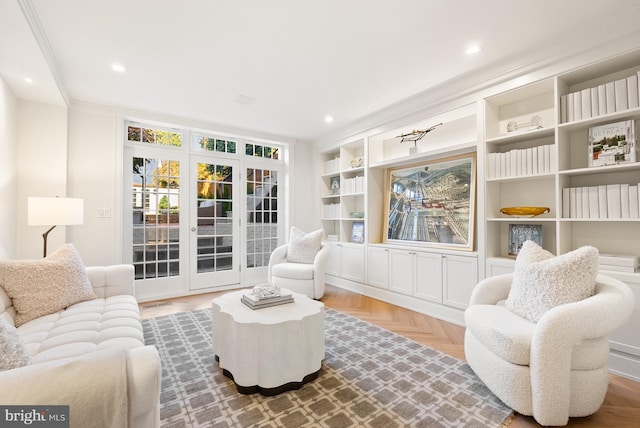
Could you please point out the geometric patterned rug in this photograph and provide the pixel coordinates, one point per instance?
(370, 377)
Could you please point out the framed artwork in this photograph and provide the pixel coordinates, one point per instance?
(518, 233)
(432, 203)
(335, 185)
(357, 232)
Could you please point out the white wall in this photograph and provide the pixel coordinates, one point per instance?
(41, 170)
(8, 171)
(94, 141)
(304, 188)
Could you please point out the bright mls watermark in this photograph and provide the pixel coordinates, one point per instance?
(34, 416)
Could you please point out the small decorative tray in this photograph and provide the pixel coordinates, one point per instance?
(524, 211)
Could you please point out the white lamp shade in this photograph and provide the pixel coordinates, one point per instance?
(55, 211)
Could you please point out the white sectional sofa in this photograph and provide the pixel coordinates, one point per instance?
(90, 356)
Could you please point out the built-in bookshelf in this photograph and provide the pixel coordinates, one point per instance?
(546, 163)
(521, 162)
(422, 277)
(613, 233)
(342, 190)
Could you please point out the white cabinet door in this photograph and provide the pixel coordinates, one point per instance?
(333, 263)
(460, 275)
(402, 271)
(353, 262)
(378, 262)
(626, 338)
(429, 276)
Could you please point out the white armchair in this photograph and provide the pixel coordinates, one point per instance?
(304, 278)
(551, 369)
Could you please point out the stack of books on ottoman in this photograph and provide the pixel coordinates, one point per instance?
(266, 295)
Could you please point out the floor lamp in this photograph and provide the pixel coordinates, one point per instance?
(54, 212)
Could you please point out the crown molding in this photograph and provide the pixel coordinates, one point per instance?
(33, 20)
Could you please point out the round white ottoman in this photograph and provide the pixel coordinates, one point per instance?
(268, 350)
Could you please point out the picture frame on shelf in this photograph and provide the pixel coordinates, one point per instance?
(357, 232)
(612, 143)
(518, 233)
(335, 185)
(432, 203)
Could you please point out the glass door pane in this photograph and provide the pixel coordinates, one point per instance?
(262, 215)
(214, 233)
(155, 207)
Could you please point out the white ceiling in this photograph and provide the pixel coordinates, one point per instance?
(296, 61)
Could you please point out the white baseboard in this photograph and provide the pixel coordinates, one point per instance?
(625, 365)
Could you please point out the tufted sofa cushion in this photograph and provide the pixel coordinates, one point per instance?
(112, 322)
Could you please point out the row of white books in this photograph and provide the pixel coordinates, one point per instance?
(331, 211)
(610, 97)
(332, 165)
(521, 162)
(352, 185)
(604, 201)
(618, 262)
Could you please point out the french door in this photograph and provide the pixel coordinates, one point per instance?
(198, 221)
(214, 232)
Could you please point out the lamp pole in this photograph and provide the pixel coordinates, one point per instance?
(44, 236)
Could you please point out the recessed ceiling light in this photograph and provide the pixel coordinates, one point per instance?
(118, 67)
(328, 119)
(28, 80)
(472, 50)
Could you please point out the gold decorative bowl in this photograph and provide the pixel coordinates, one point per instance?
(524, 211)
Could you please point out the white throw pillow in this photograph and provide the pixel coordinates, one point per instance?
(303, 247)
(12, 351)
(542, 281)
(42, 287)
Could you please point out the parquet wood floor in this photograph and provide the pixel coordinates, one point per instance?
(621, 408)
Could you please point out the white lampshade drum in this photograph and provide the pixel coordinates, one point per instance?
(54, 212)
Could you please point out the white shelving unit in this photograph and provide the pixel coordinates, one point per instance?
(419, 277)
(513, 182)
(343, 205)
(345, 166)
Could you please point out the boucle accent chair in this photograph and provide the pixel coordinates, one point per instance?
(299, 265)
(553, 366)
